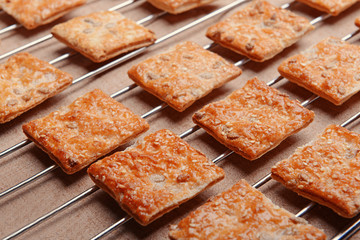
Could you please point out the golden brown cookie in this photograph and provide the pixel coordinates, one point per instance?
(326, 171)
(155, 176)
(25, 82)
(32, 14)
(243, 212)
(254, 119)
(259, 31)
(178, 6)
(103, 35)
(183, 74)
(92, 126)
(330, 69)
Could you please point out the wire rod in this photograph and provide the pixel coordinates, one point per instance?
(348, 232)
(33, 43)
(222, 156)
(63, 57)
(29, 180)
(350, 35)
(155, 110)
(242, 62)
(112, 227)
(56, 210)
(151, 17)
(124, 90)
(262, 181)
(350, 120)
(15, 147)
(320, 19)
(10, 28)
(306, 209)
(275, 80)
(309, 100)
(189, 131)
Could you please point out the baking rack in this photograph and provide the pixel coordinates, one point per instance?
(228, 153)
(132, 86)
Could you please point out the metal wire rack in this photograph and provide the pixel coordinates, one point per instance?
(219, 158)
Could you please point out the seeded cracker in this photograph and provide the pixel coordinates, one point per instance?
(326, 171)
(259, 31)
(155, 176)
(183, 74)
(34, 13)
(25, 82)
(78, 134)
(178, 6)
(254, 119)
(330, 69)
(103, 35)
(243, 213)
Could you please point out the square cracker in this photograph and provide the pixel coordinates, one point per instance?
(90, 127)
(333, 7)
(326, 171)
(184, 74)
(25, 82)
(32, 14)
(156, 176)
(330, 69)
(178, 6)
(259, 31)
(243, 212)
(103, 35)
(254, 119)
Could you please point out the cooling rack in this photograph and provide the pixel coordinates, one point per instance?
(95, 213)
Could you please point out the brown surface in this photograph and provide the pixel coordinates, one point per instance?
(39, 12)
(155, 176)
(243, 212)
(327, 170)
(95, 213)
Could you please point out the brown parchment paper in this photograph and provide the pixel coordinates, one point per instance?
(91, 215)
